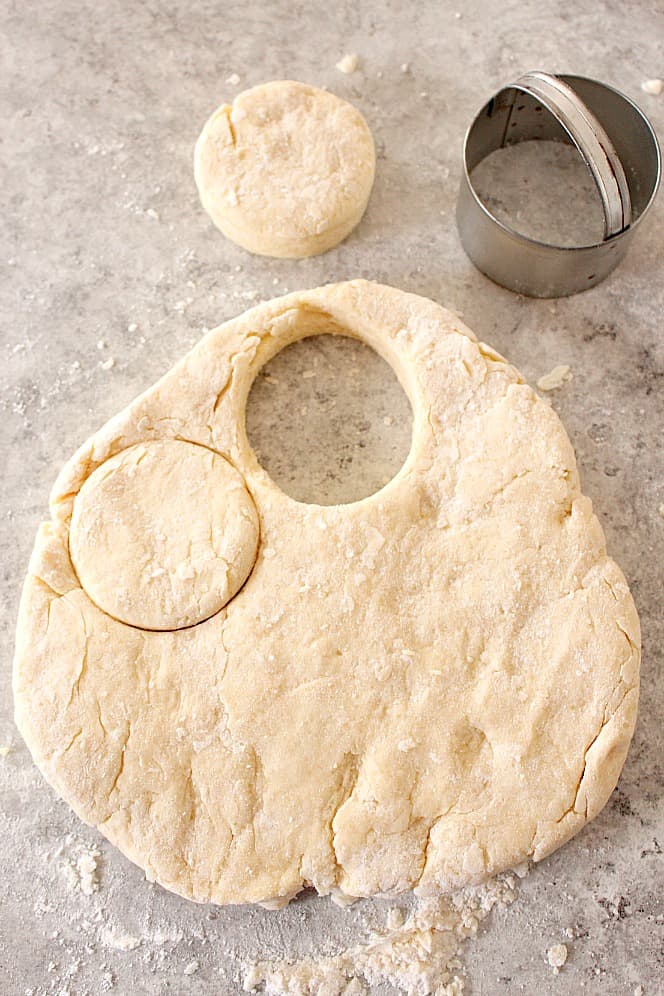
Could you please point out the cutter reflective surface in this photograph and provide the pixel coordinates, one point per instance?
(617, 144)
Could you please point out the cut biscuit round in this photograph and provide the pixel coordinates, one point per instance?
(163, 534)
(285, 171)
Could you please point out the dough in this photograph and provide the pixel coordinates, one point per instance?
(162, 536)
(286, 170)
(415, 690)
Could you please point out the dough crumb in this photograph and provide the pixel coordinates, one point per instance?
(555, 378)
(151, 213)
(415, 954)
(557, 956)
(87, 872)
(233, 79)
(6, 749)
(405, 66)
(638, 991)
(661, 510)
(348, 64)
(406, 745)
(521, 870)
(80, 871)
(191, 968)
(113, 937)
(653, 87)
(108, 364)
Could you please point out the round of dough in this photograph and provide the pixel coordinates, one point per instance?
(415, 690)
(286, 170)
(163, 534)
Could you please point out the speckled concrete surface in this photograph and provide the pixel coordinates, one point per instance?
(111, 271)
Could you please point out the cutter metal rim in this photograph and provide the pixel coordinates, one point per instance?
(536, 267)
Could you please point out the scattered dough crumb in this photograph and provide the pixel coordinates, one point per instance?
(108, 364)
(348, 64)
(132, 327)
(653, 87)
(417, 956)
(102, 344)
(112, 937)
(405, 66)
(233, 79)
(555, 378)
(151, 213)
(557, 956)
(6, 749)
(661, 511)
(191, 968)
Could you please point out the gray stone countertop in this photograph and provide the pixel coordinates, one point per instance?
(111, 271)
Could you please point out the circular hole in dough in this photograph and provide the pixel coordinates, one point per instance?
(163, 534)
(329, 420)
(286, 170)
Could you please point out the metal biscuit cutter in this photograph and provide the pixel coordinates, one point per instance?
(617, 144)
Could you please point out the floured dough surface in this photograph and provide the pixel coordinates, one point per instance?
(163, 534)
(286, 170)
(416, 690)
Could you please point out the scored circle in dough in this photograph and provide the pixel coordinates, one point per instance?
(163, 534)
(416, 690)
(287, 170)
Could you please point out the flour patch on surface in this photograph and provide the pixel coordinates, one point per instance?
(118, 939)
(416, 954)
(78, 865)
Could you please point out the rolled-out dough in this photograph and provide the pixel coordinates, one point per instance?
(286, 170)
(416, 690)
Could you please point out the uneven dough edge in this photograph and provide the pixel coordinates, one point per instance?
(343, 303)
